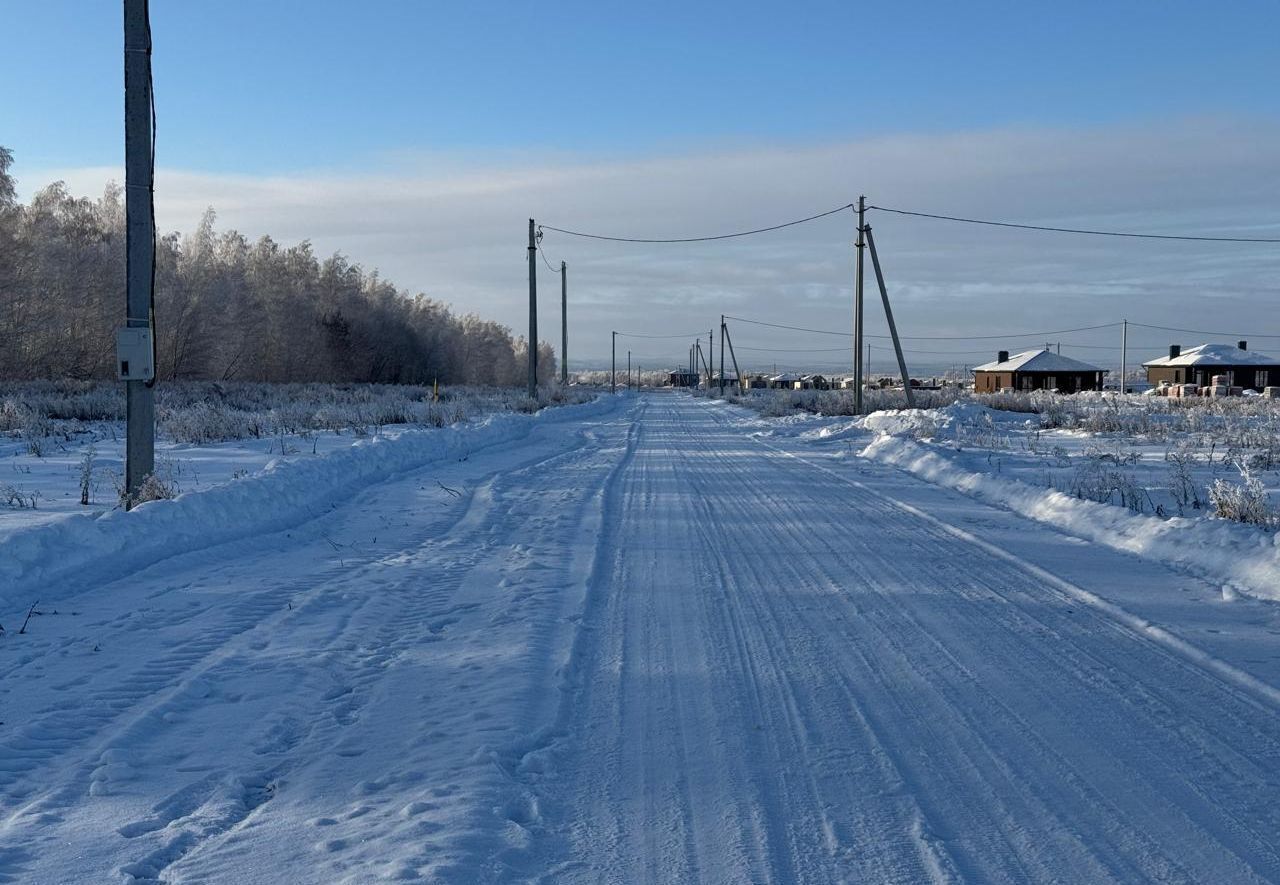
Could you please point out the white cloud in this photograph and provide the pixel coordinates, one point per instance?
(456, 229)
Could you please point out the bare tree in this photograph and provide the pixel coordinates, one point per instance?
(225, 308)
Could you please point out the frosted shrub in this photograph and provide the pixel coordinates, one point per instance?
(981, 432)
(1092, 480)
(86, 476)
(1245, 501)
(1182, 486)
(202, 412)
(160, 485)
(17, 498)
(203, 423)
(778, 403)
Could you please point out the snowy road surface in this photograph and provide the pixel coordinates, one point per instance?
(655, 645)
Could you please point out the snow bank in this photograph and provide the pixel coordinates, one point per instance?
(47, 561)
(1217, 549)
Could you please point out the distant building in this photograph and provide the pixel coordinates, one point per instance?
(1036, 370)
(683, 378)
(785, 381)
(1200, 365)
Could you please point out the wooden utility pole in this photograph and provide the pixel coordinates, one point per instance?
(613, 365)
(628, 370)
(888, 315)
(564, 323)
(533, 312)
(140, 240)
(857, 308)
(711, 356)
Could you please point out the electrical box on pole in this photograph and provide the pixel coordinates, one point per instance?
(135, 354)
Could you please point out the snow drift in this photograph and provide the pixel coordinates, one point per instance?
(1217, 549)
(48, 561)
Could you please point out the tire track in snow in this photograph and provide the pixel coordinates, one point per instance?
(1254, 843)
(900, 739)
(56, 760)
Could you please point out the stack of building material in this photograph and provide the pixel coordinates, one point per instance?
(1271, 392)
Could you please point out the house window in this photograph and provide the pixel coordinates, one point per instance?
(1260, 378)
(1051, 382)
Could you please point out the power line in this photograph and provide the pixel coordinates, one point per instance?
(743, 233)
(691, 335)
(792, 328)
(1204, 332)
(930, 337)
(794, 349)
(1072, 230)
(546, 261)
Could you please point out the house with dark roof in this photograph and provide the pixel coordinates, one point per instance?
(1200, 365)
(1036, 370)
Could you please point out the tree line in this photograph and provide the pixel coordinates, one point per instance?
(225, 308)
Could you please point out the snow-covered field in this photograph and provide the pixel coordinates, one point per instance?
(646, 638)
(62, 443)
(1149, 455)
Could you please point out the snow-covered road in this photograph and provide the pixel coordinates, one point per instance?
(653, 645)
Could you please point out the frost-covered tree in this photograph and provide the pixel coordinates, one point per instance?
(225, 308)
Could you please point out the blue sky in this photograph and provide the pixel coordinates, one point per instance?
(419, 137)
(278, 85)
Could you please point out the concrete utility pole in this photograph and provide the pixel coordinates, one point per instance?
(857, 308)
(613, 365)
(564, 323)
(728, 339)
(533, 312)
(722, 355)
(140, 238)
(888, 315)
(1124, 352)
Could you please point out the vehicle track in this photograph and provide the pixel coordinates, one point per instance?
(802, 679)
